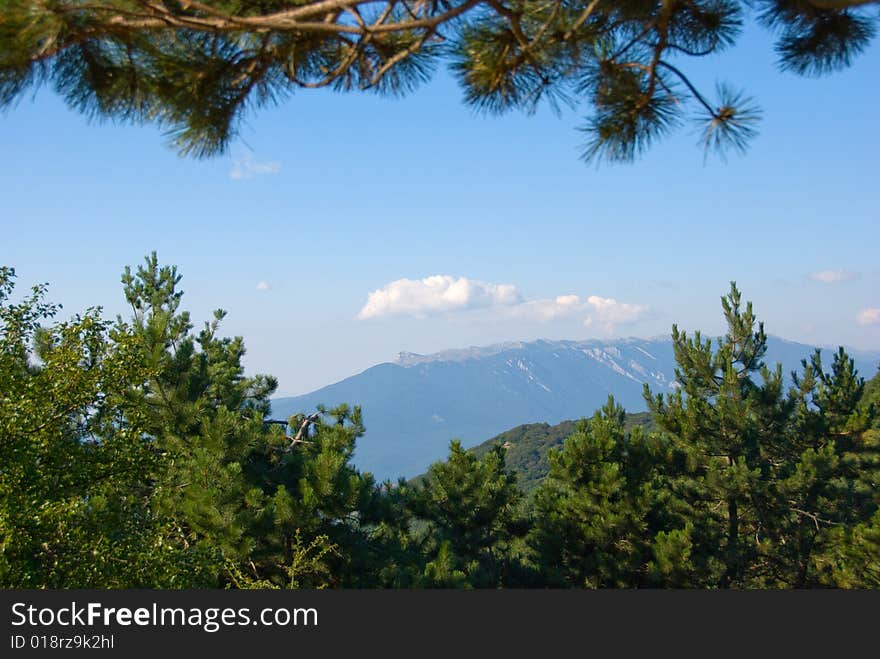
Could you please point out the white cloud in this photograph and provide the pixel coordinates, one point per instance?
(833, 276)
(436, 294)
(869, 316)
(604, 313)
(264, 286)
(609, 312)
(247, 168)
(444, 294)
(544, 310)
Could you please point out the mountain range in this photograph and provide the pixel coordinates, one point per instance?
(414, 405)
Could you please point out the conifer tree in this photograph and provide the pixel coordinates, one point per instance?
(834, 494)
(739, 484)
(196, 68)
(594, 513)
(472, 509)
(201, 412)
(241, 490)
(762, 480)
(136, 454)
(313, 493)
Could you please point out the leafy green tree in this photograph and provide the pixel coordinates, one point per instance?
(136, 454)
(443, 571)
(390, 553)
(724, 426)
(871, 393)
(471, 508)
(840, 512)
(198, 67)
(76, 498)
(854, 559)
(306, 568)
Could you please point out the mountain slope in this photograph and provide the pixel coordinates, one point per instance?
(527, 447)
(415, 405)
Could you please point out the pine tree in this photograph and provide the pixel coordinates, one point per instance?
(202, 414)
(135, 454)
(197, 68)
(836, 485)
(762, 481)
(472, 510)
(239, 489)
(312, 492)
(595, 512)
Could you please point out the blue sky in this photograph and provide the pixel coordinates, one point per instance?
(328, 198)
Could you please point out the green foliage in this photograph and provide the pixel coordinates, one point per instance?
(197, 69)
(312, 491)
(203, 415)
(136, 454)
(760, 478)
(442, 571)
(307, 568)
(75, 486)
(739, 484)
(471, 507)
(593, 511)
(527, 447)
(240, 490)
(854, 559)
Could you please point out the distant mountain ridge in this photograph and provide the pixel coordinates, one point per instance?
(416, 404)
(455, 354)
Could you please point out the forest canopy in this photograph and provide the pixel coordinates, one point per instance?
(135, 453)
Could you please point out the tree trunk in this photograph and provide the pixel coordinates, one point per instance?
(732, 554)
